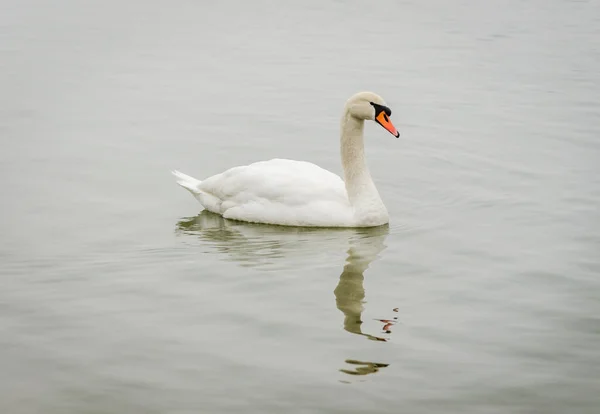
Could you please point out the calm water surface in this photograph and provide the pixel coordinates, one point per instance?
(118, 296)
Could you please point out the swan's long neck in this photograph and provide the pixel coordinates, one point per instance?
(362, 193)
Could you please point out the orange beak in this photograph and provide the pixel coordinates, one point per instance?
(383, 120)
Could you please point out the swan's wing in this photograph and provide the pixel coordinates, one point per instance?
(279, 190)
(278, 180)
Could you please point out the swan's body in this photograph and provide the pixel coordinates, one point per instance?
(276, 192)
(299, 193)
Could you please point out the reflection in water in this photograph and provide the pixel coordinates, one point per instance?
(259, 244)
(252, 244)
(363, 367)
(350, 292)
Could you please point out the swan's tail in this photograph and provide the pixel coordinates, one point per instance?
(187, 182)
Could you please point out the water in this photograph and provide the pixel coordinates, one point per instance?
(116, 296)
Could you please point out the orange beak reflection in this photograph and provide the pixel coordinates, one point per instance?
(383, 120)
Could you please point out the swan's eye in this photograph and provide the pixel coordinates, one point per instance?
(380, 108)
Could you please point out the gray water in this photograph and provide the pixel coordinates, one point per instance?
(118, 296)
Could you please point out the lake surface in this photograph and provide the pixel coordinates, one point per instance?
(118, 296)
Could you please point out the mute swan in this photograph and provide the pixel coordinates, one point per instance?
(299, 193)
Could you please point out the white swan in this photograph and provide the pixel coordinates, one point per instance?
(299, 193)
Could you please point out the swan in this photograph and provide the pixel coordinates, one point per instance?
(299, 193)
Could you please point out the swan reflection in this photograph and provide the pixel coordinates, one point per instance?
(256, 245)
(350, 292)
(262, 245)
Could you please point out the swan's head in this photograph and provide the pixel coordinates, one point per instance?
(370, 106)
